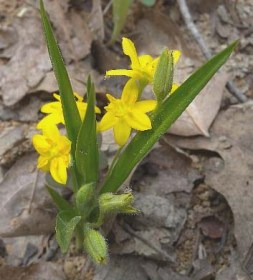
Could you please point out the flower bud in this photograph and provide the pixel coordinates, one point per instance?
(120, 203)
(86, 199)
(163, 78)
(95, 245)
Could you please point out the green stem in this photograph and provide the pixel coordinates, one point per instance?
(79, 239)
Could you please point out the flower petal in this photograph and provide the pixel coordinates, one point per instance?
(121, 132)
(176, 54)
(57, 96)
(40, 144)
(107, 122)
(50, 120)
(130, 50)
(43, 163)
(78, 97)
(51, 107)
(58, 170)
(174, 87)
(51, 132)
(120, 72)
(138, 120)
(130, 92)
(145, 60)
(145, 106)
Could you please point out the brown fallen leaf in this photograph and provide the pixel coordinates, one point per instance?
(29, 61)
(20, 214)
(230, 172)
(200, 114)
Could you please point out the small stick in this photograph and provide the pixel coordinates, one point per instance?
(205, 50)
(128, 229)
(33, 191)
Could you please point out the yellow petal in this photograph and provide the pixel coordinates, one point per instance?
(58, 170)
(51, 132)
(82, 107)
(78, 97)
(129, 49)
(64, 145)
(138, 120)
(50, 120)
(120, 72)
(107, 122)
(145, 60)
(110, 97)
(130, 92)
(51, 107)
(40, 144)
(121, 132)
(145, 106)
(57, 96)
(176, 54)
(43, 163)
(174, 87)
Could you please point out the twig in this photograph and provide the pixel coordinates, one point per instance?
(108, 6)
(205, 50)
(33, 191)
(128, 229)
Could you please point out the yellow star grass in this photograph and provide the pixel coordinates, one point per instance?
(54, 151)
(126, 113)
(55, 113)
(143, 67)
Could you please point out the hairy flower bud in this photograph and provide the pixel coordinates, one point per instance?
(95, 245)
(86, 199)
(163, 78)
(119, 203)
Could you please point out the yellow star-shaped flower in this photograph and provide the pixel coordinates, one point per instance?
(142, 67)
(54, 151)
(55, 113)
(126, 113)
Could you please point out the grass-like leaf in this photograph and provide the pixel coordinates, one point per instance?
(66, 223)
(164, 116)
(61, 203)
(70, 111)
(120, 10)
(87, 160)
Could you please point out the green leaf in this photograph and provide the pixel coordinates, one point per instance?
(61, 203)
(120, 10)
(148, 3)
(66, 222)
(87, 160)
(70, 111)
(164, 116)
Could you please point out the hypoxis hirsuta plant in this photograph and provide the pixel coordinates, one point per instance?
(74, 157)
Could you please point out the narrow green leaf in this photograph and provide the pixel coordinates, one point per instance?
(120, 10)
(70, 111)
(87, 161)
(61, 203)
(162, 119)
(66, 222)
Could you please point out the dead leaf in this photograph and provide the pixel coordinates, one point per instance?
(127, 268)
(29, 62)
(39, 271)
(200, 114)
(71, 30)
(230, 171)
(16, 193)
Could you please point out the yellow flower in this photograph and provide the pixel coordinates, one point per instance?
(54, 151)
(126, 113)
(143, 67)
(55, 114)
